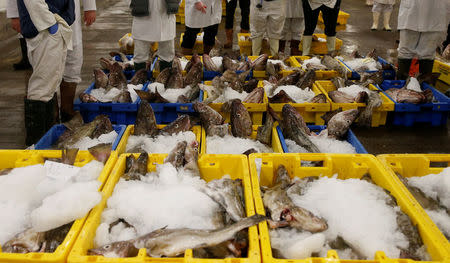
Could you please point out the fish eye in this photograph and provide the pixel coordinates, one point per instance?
(176, 125)
(107, 246)
(239, 115)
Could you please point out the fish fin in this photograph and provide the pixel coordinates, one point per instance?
(69, 156)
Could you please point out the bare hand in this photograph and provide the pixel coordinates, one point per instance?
(15, 24)
(89, 17)
(200, 6)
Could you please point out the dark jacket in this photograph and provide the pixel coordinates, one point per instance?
(64, 8)
(140, 7)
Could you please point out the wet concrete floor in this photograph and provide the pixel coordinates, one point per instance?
(113, 21)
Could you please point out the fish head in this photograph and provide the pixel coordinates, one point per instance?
(181, 124)
(340, 123)
(101, 152)
(241, 122)
(140, 77)
(119, 249)
(282, 177)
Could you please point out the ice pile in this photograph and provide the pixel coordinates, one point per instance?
(280, 62)
(230, 94)
(218, 62)
(325, 145)
(312, 61)
(414, 85)
(183, 62)
(158, 144)
(297, 94)
(107, 96)
(353, 90)
(363, 64)
(355, 210)
(169, 94)
(46, 196)
(165, 198)
(436, 186)
(233, 145)
(86, 142)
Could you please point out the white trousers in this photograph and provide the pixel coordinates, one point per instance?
(268, 19)
(418, 44)
(74, 60)
(166, 50)
(47, 55)
(293, 28)
(380, 8)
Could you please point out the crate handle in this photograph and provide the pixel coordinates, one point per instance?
(438, 164)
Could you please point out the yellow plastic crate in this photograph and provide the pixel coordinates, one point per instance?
(379, 115)
(22, 158)
(444, 69)
(256, 110)
(346, 166)
(211, 167)
(311, 112)
(261, 74)
(121, 148)
(198, 46)
(409, 165)
(276, 144)
(320, 74)
(156, 72)
(342, 18)
(320, 48)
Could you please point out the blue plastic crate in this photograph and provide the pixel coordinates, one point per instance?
(350, 138)
(168, 112)
(118, 113)
(406, 114)
(388, 74)
(130, 73)
(52, 135)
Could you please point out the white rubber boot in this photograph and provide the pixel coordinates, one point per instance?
(331, 44)
(256, 46)
(387, 18)
(274, 46)
(306, 45)
(376, 19)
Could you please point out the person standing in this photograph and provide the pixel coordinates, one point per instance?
(330, 12)
(266, 17)
(205, 14)
(293, 27)
(46, 27)
(384, 7)
(13, 14)
(154, 21)
(74, 59)
(422, 26)
(229, 19)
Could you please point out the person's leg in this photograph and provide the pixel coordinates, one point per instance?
(189, 38)
(447, 40)
(387, 16)
(376, 13)
(209, 38)
(406, 52)
(297, 27)
(257, 29)
(166, 53)
(311, 17)
(426, 50)
(229, 21)
(141, 52)
(24, 63)
(47, 54)
(285, 34)
(275, 24)
(245, 13)
(330, 16)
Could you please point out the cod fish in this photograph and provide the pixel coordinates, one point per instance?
(175, 80)
(208, 115)
(340, 97)
(260, 62)
(339, 124)
(116, 77)
(218, 130)
(250, 85)
(256, 96)
(101, 79)
(101, 152)
(209, 63)
(281, 97)
(373, 101)
(194, 60)
(173, 242)
(87, 98)
(264, 133)
(135, 168)
(294, 128)
(307, 80)
(406, 96)
(181, 124)
(145, 120)
(176, 156)
(333, 64)
(190, 96)
(194, 75)
(231, 248)
(227, 193)
(291, 79)
(319, 98)
(241, 122)
(140, 77)
(284, 212)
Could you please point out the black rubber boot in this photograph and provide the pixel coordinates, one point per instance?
(403, 68)
(24, 63)
(52, 112)
(425, 66)
(164, 64)
(35, 120)
(138, 66)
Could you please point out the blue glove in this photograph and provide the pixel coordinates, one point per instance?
(53, 29)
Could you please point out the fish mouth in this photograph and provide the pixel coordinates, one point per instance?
(94, 252)
(286, 215)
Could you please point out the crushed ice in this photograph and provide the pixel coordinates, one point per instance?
(233, 145)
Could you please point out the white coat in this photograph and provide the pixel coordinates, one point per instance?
(423, 16)
(197, 19)
(294, 9)
(314, 4)
(158, 26)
